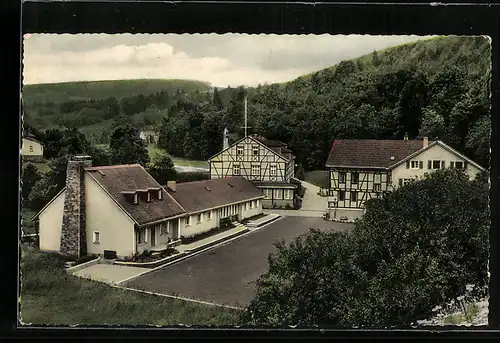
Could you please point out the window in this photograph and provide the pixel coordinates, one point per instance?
(278, 194)
(267, 193)
(141, 236)
(354, 196)
(164, 228)
(435, 164)
(257, 203)
(342, 177)
(199, 217)
(341, 195)
(255, 150)
(389, 178)
(272, 170)
(457, 165)
(354, 178)
(377, 187)
(251, 204)
(288, 194)
(31, 148)
(415, 164)
(136, 199)
(160, 194)
(239, 151)
(188, 220)
(236, 169)
(149, 197)
(407, 181)
(96, 237)
(209, 215)
(256, 170)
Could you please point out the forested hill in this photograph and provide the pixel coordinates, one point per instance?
(437, 88)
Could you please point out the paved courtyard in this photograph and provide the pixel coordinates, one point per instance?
(226, 274)
(108, 272)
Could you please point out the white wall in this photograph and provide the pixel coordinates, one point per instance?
(37, 148)
(116, 229)
(250, 212)
(50, 221)
(434, 153)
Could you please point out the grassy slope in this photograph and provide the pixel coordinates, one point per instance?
(50, 296)
(178, 161)
(60, 92)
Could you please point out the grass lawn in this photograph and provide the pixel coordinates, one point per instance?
(42, 167)
(317, 177)
(51, 296)
(178, 161)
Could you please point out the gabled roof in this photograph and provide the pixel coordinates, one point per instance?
(121, 179)
(444, 146)
(206, 194)
(270, 142)
(256, 140)
(33, 139)
(371, 153)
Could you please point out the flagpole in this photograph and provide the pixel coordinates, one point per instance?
(245, 116)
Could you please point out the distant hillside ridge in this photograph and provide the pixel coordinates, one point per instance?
(95, 90)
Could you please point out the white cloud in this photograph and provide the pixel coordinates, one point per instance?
(232, 59)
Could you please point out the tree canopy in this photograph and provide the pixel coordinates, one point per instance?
(415, 248)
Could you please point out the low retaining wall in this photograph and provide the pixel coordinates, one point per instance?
(217, 241)
(83, 265)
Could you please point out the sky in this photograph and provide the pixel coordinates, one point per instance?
(221, 60)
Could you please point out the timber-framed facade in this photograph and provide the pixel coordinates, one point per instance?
(268, 164)
(360, 170)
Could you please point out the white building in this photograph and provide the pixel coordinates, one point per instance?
(32, 149)
(123, 209)
(363, 169)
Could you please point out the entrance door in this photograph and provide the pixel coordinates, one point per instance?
(153, 236)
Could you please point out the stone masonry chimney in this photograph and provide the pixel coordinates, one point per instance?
(426, 142)
(225, 143)
(73, 231)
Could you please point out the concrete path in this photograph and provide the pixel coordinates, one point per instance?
(313, 205)
(108, 273)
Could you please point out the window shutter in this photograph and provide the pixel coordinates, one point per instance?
(429, 164)
(400, 182)
(421, 164)
(407, 164)
(442, 164)
(465, 164)
(452, 164)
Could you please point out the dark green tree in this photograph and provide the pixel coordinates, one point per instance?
(29, 176)
(162, 168)
(126, 147)
(415, 248)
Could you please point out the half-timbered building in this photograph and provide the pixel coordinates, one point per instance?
(269, 164)
(364, 169)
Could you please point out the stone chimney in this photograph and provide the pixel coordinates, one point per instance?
(225, 143)
(426, 141)
(172, 185)
(73, 230)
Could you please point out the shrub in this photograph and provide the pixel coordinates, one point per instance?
(414, 248)
(109, 254)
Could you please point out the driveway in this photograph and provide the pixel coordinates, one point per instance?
(227, 274)
(313, 205)
(109, 273)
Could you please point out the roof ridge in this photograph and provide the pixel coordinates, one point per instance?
(95, 168)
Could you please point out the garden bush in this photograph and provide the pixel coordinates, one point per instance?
(414, 248)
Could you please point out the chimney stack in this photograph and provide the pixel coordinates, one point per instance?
(225, 143)
(172, 185)
(73, 230)
(426, 141)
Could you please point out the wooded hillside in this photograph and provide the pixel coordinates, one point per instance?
(439, 88)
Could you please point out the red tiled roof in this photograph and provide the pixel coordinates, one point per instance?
(372, 153)
(201, 195)
(129, 178)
